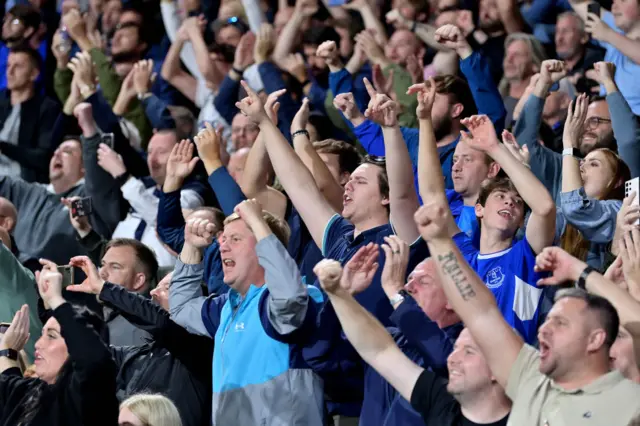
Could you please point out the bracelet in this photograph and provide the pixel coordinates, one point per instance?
(237, 71)
(582, 281)
(300, 132)
(9, 353)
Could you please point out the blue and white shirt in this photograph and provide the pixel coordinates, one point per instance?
(510, 276)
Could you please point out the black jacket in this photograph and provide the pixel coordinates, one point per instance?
(85, 391)
(35, 143)
(176, 363)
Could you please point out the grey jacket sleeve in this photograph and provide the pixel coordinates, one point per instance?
(545, 164)
(288, 297)
(595, 219)
(101, 187)
(625, 130)
(186, 299)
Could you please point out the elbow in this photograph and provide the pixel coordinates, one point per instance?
(546, 208)
(166, 73)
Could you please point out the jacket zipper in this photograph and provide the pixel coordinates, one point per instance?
(224, 336)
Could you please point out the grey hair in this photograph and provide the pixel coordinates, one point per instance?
(570, 13)
(535, 49)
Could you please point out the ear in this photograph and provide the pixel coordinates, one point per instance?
(494, 169)
(479, 211)
(34, 75)
(9, 223)
(456, 110)
(596, 340)
(385, 201)
(140, 282)
(28, 33)
(585, 39)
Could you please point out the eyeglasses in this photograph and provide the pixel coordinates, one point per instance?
(593, 123)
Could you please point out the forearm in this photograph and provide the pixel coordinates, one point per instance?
(109, 81)
(256, 169)
(226, 189)
(325, 181)
(532, 191)
(171, 64)
(7, 363)
(170, 222)
(288, 37)
(628, 308)
(185, 297)
(571, 178)
(629, 47)
(205, 66)
(398, 162)
(254, 14)
(136, 309)
(511, 17)
(372, 23)
(430, 178)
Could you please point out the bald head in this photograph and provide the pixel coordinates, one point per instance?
(8, 215)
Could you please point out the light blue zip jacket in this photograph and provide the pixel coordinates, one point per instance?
(259, 374)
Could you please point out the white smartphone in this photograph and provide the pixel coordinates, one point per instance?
(633, 185)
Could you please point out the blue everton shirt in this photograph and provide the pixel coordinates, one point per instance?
(510, 276)
(465, 216)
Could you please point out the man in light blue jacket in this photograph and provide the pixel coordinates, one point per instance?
(260, 327)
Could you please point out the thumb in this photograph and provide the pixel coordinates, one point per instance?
(193, 162)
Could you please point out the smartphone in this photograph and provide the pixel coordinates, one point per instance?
(108, 139)
(337, 3)
(630, 186)
(82, 207)
(67, 275)
(594, 8)
(4, 326)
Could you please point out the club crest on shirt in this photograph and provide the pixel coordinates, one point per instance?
(494, 277)
(239, 326)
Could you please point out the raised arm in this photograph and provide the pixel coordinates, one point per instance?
(541, 226)
(467, 294)
(571, 177)
(303, 10)
(430, 177)
(403, 199)
(366, 334)
(173, 73)
(325, 181)
(296, 179)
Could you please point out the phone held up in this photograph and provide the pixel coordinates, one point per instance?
(82, 207)
(67, 275)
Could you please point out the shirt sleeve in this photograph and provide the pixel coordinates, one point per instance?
(523, 371)
(142, 201)
(595, 219)
(187, 304)
(190, 199)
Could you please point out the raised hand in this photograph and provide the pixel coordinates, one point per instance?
(301, 118)
(415, 67)
(574, 125)
(93, 284)
(328, 50)
(195, 25)
(143, 76)
(395, 18)
(76, 26)
(396, 253)
(371, 48)
(552, 71)
(433, 220)
(264, 44)
(381, 83)
(306, 8)
(251, 212)
(360, 269)
(181, 161)
(509, 141)
(382, 109)
(272, 106)
(83, 70)
(562, 266)
(59, 47)
(598, 29)
(111, 161)
(295, 65)
(199, 233)
(426, 96)
(345, 103)
(630, 253)
(251, 105)
(50, 284)
(17, 335)
(80, 224)
(329, 273)
(629, 215)
(208, 142)
(615, 274)
(604, 72)
(483, 133)
(244, 51)
(451, 37)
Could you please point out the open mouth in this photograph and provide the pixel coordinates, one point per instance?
(544, 350)
(346, 200)
(506, 214)
(228, 263)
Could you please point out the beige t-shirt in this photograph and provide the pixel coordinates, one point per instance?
(611, 400)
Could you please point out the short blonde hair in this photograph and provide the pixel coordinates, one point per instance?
(153, 409)
(278, 226)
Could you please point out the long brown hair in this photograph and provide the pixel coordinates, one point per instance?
(572, 240)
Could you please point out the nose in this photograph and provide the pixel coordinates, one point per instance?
(103, 274)
(38, 344)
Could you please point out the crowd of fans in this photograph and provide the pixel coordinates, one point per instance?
(294, 212)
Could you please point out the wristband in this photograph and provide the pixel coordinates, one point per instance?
(143, 96)
(582, 281)
(237, 71)
(300, 132)
(398, 297)
(9, 353)
(571, 152)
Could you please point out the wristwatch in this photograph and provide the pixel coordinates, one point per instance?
(573, 152)
(9, 353)
(143, 96)
(582, 281)
(398, 298)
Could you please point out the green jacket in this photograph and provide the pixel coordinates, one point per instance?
(110, 85)
(401, 82)
(17, 288)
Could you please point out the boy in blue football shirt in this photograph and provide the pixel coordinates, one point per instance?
(504, 264)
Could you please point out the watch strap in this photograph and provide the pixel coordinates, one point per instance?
(9, 353)
(582, 281)
(572, 152)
